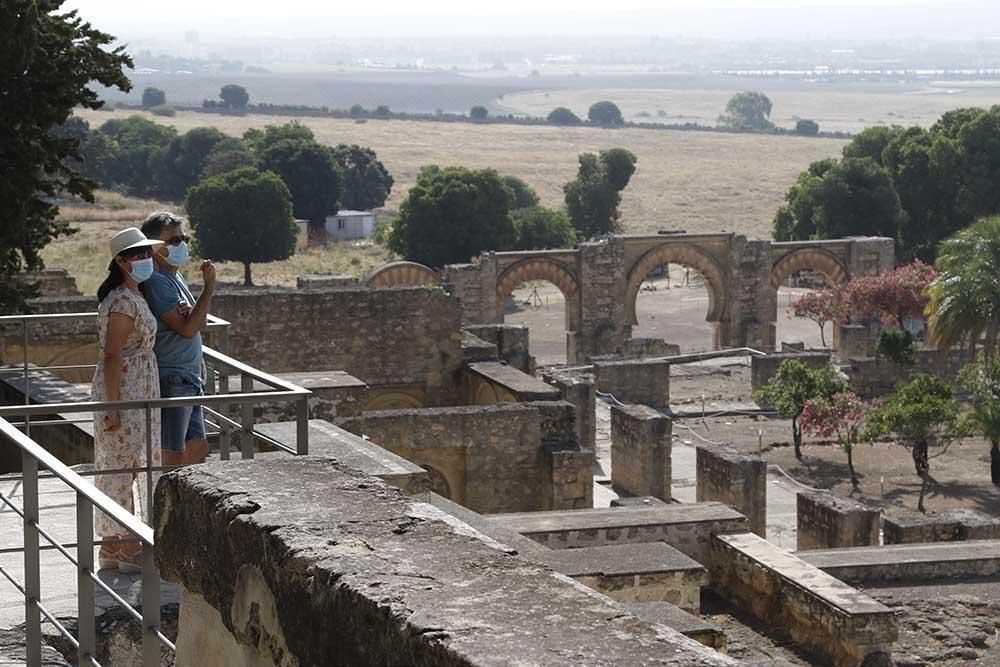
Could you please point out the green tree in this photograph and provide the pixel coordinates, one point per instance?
(228, 155)
(748, 111)
(563, 116)
(950, 123)
(540, 228)
(795, 221)
(153, 97)
(382, 111)
(605, 114)
(48, 58)
(965, 297)
(451, 215)
(592, 198)
(367, 183)
(259, 140)
(311, 174)
(979, 146)
(920, 413)
(357, 111)
(871, 142)
(981, 380)
(792, 386)
(185, 158)
(243, 216)
(807, 128)
(478, 112)
(234, 96)
(524, 195)
(136, 148)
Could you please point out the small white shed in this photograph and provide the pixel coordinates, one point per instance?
(350, 225)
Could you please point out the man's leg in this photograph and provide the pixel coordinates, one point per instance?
(173, 423)
(195, 442)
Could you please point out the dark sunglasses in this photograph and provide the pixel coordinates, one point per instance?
(137, 253)
(177, 240)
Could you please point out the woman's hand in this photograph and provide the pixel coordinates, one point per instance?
(112, 421)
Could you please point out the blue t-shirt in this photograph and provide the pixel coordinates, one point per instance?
(175, 354)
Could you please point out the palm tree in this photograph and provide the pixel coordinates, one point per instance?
(965, 298)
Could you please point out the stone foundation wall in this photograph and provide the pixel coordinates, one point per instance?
(828, 521)
(949, 526)
(872, 377)
(641, 381)
(762, 369)
(501, 458)
(735, 479)
(368, 576)
(641, 441)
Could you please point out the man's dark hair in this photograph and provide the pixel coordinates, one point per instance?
(155, 223)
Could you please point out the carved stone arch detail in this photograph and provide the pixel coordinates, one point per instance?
(684, 254)
(809, 258)
(402, 273)
(549, 270)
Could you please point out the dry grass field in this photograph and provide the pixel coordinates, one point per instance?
(698, 181)
(847, 109)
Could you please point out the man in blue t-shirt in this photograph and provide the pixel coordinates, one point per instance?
(180, 319)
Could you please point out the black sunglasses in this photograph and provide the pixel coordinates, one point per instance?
(141, 252)
(177, 240)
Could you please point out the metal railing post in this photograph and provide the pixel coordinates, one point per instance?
(150, 608)
(149, 466)
(226, 436)
(302, 426)
(246, 410)
(32, 576)
(27, 375)
(86, 632)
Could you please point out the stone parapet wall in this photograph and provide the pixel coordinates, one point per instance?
(336, 396)
(325, 282)
(641, 381)
(641, 440)
(368, 576)
(739, 480)
(489, 383)
(644, 348)
(512, 343)
(828, 521)
(819, 613)
(908, 563)
(871, 377)
(762, 369)
(949, 526)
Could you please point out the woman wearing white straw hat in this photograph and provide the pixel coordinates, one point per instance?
(126, 371)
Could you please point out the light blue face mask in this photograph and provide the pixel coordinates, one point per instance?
(142, 269)
(177, 254)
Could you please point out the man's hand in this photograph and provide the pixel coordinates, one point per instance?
(184, 309)
(208, 274)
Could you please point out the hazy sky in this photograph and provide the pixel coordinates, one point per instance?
(712, 18)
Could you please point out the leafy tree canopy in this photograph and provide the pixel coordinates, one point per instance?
(540, 228)
(48, 58)
(592, 198)
(234, 96)
(243, 216)
(259, 140)
(451, 215)
(563, 116)
(605, 113)
(748, 110)
(478, 112)
(524, 195)
(311, 174)
(367, 182)
(153, 97)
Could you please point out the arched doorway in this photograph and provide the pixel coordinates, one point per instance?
(544, 295)
(795, 276)
(680, 292)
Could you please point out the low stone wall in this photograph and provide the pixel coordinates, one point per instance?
(641, 440)
(578, 389)
(512, 343)
(368, 576)
(641, 381)
(336, 397)
(909, 563)
(325, 281)
(644, 348)
(872, 377)
(489, 383)
(949, 526)
(475, 349)
(739, 480)
(50, 282)
(762, 369)
(818, 612)
(501, 458)
(828, 521)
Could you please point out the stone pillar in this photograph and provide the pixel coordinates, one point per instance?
(641, 440)
(578, 389)
(603, 324)
(829, 521)
(752, 301)
(642, 381)
(738, 480)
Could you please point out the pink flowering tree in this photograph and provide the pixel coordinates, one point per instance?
(891, 297)
(841, 417)
(821, 306)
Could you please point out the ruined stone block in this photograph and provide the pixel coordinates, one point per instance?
(829, 521)
(641, 440)
(739, 480)
(949, 526)
(639, 381)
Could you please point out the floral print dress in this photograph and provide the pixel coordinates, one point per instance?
(125, 447)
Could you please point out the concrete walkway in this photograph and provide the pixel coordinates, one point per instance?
(781, 492)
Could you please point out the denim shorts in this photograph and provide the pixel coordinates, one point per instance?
(180, 425)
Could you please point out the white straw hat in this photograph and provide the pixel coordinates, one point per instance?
(130, 238)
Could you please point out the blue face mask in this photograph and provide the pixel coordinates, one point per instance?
(142, 269)
(177, 254)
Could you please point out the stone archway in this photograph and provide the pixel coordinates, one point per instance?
(809, 258)
(534, 268)
(684, 254)
(402, 273)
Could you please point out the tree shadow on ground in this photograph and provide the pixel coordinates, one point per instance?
(826, 474)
